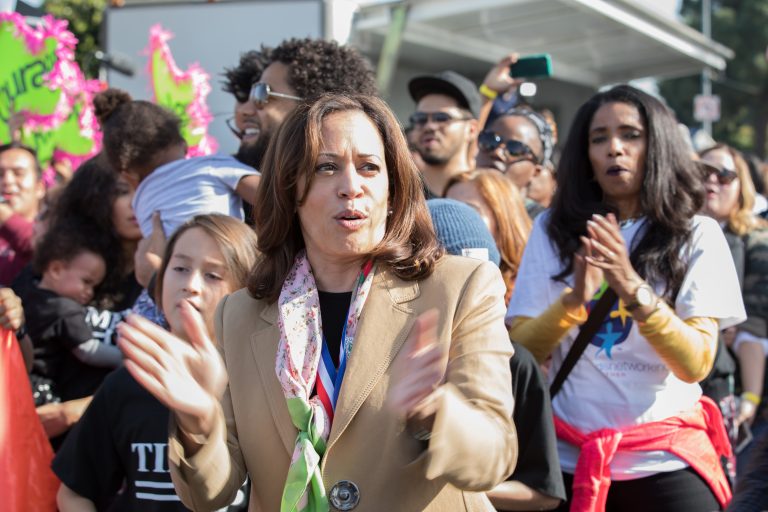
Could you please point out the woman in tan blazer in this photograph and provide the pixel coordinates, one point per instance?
(392, 396)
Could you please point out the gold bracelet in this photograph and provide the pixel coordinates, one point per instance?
(751, 397)
(488, 92)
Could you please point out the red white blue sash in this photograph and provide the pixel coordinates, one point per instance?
(329, 377)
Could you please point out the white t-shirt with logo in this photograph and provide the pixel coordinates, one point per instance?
(181, 189)
(620, 381)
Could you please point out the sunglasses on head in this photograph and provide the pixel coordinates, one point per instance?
(490, 141)
(422, 118)
(260, 93)
(724, 176)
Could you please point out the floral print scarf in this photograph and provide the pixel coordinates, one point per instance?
(298, 358)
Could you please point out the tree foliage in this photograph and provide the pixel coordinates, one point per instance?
(741, 25)
(84, 18)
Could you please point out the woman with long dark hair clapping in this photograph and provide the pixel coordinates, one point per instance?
(634, 432)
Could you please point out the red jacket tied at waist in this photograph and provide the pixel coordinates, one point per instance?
(698, 437)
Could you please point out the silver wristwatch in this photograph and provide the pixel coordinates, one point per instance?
(643, 296)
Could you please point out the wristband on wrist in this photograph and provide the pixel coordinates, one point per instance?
(488, 92)
(751, 398)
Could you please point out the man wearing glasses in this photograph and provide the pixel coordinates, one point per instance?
(444, 126)
(269, 83)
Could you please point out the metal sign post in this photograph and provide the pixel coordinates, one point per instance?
(706, 82)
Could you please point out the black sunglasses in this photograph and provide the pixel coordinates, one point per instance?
(422, 118)
(260, 93)
(724, 176)
(490, 141)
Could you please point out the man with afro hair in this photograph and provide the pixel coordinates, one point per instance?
(268, 84)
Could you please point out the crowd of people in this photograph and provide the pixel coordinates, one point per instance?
(462, 313)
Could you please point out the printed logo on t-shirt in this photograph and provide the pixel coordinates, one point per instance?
(615, 328)
(154, 480)
(103, 323)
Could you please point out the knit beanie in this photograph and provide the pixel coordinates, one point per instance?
(461, 230)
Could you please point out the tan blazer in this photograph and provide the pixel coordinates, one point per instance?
(474, 443)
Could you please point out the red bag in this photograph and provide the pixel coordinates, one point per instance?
(27, 482)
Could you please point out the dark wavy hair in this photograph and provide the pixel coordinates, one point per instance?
(135, 132)
(65, 241)
(672, 191)
(238, 79)
(88, 199)
(409, 247)
(316, 66)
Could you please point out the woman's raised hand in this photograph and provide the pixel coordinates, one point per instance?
(609, 253)
(188, 377)
(418, 371)
(498, 78)
(586, 278)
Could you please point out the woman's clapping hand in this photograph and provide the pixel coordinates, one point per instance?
(189, 377)
(418, 372)
(586, 278)
(603, 256)
(609, 254)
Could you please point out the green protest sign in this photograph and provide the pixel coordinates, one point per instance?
(22, 73)
(183, 92)
(40, 79)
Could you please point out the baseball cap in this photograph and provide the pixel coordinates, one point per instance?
(450, 83)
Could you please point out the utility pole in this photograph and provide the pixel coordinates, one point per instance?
(706, 81)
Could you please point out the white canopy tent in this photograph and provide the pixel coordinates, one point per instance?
(592, 42)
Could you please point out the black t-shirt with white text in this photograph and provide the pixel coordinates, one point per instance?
(121, 442)
(117, 454)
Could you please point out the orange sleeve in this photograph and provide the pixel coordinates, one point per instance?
(542, 334)
(686, 346)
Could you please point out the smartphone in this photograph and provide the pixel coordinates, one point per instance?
(532, 66)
